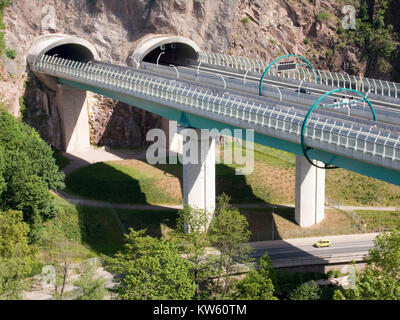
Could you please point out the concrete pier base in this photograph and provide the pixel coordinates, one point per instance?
(73, 110)
(199, 170)
(310, 193)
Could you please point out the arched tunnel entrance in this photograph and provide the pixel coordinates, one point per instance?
(166, 49)
(64, 46)
(72, 51)
(172, 53)
(71, 103)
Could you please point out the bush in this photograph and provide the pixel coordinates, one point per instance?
(245, 20)
(307, 40)
(11, 53)
(151, 269)
(334, 274)
(29, 172)
(307, 291)
(322, 16)
(3, 5)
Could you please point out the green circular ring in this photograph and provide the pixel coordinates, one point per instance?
(316, 106)
(283, 57)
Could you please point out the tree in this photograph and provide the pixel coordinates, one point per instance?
(151, 269)
(16, 255)
(381, 277)
(228, 232)
(194, 245)
(307, 291)
(258, 284)
(28, 174)
(90, 286)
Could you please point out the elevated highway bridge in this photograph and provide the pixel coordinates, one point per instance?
(339, 121)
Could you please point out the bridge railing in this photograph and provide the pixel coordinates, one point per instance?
(321, 132)
(333, 79)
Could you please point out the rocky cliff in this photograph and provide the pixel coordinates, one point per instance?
(254, 28)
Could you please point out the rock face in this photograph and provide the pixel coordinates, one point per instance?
(260, 29)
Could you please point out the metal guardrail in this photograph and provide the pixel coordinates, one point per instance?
(324, 132)
(333, 79)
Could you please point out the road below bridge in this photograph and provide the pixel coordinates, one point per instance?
(301, 252)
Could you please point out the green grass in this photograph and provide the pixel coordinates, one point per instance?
(377, 221)
(274, 157)
(135, 182)
(354, 189)
(117, 183)
(94, 231)
(285, 227)
(273, 180)
(155, 222)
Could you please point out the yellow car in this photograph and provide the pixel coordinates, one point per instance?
(322, 244)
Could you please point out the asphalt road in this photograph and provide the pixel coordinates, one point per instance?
(302, 252)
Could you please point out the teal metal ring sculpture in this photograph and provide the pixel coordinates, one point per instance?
(317, 106)
(283, 57)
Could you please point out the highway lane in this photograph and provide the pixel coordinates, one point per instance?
(384, 101)
(169, 75)
(282, 92)
(302, 251)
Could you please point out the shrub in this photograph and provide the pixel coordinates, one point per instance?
(29, 172)
(307, 291)
(322, 16)
(11, 53)
(245, 20)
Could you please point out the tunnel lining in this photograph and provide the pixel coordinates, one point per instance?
(72, 51)
(64, 45)
(174, 53)
(179, 50)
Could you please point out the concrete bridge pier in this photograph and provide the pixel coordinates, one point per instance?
(174, 139)
(198, 160)
(310, 193)
(73, 110)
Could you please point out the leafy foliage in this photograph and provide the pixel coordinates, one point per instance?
(258, 284)
(228, 232)
(322, 16)
(380, 280)
(16, 255)
(373, 36)
(11, 53)
(90, 286)
(28, 174)
(194, 245)
(3, 5)
(307, 291)
(151, 269)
